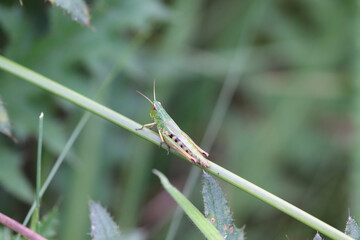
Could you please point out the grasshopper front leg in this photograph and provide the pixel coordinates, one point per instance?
(150, 125)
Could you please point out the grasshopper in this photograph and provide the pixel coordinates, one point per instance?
(173, 136)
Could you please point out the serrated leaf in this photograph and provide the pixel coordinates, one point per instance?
(352, 229)
(5, 126)
(12, 178)
(103, 226)
(217, 210)
(191, 211)
(317, 237)
(49, 224)
(77, 9)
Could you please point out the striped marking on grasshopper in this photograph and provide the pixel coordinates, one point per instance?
(171, 134)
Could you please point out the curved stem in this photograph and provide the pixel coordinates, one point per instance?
(131, 125)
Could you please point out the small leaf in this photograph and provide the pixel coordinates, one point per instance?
(317, 237)
(34, 220)
(49, 224)
(352, 229)
(103, 226)
(191, 211)
(5, 126)
(77, 9)
(217, 210)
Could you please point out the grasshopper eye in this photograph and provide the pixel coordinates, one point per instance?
(153, 107)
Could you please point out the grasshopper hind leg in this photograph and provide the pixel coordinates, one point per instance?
(167, 146)
(163, 142)
(205, 154)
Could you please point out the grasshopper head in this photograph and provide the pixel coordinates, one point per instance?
(155, 107)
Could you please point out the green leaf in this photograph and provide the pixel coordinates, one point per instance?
(77, 9)
(49, 224)
(317, 237)
(193, 213)
(34, 220)
(217, 210)
(352, 229)
(103, 226)
(12, 178)
(5, 126)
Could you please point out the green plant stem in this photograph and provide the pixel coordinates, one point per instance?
(277, 202)
(130, 125)
(76, 98)
(38, 171)
(35, 215)
(59, 161)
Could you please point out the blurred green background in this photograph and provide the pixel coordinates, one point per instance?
(289, 122)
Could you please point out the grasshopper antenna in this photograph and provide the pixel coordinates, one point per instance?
(154, 91)
(144, 97)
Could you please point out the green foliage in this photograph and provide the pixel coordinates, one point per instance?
(103, 226)
(217, 210)
(49, 224)
(291, 125)
(69, 66)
